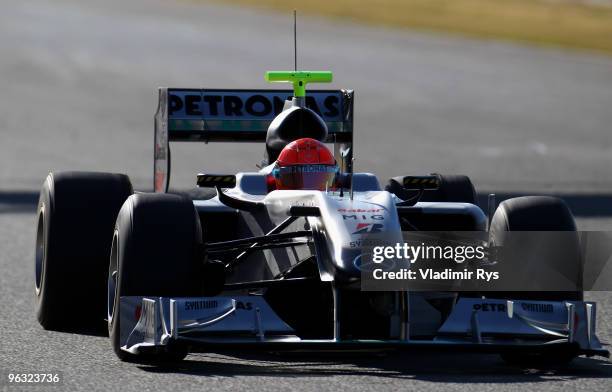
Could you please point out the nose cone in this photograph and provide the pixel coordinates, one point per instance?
(292, 124)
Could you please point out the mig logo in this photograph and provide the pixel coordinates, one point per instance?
(363, 228)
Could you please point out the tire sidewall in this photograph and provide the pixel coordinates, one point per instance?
(44, 297)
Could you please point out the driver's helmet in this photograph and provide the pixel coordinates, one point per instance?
(305, 164)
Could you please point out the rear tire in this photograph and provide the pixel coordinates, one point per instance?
(453, 188)
(155, 252)
(76, 215)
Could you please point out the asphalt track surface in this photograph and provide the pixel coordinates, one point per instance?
(79, 90)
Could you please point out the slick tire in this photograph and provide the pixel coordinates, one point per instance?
(75, 220)
(532, 214)
(453, 188)
(155, 252)
(538, 214)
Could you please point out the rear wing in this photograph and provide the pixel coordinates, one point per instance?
(217, 115)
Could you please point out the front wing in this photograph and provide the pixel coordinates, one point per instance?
(248, 322)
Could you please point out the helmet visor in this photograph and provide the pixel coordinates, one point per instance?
(306, 177)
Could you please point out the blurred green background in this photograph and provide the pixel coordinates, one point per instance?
(585, 24)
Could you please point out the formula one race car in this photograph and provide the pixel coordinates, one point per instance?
(270, 259)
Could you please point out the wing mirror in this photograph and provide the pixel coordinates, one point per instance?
(417, 183)
(216, 180)
(404, 187)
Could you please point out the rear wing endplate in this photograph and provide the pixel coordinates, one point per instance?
(216, 115)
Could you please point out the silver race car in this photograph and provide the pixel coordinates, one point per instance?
(273, 259)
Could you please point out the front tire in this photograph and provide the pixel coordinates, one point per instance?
(155, 253)
(538, 213)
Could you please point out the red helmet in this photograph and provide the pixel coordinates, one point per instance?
(305, 164)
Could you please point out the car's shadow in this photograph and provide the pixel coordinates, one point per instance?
(433, 367)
